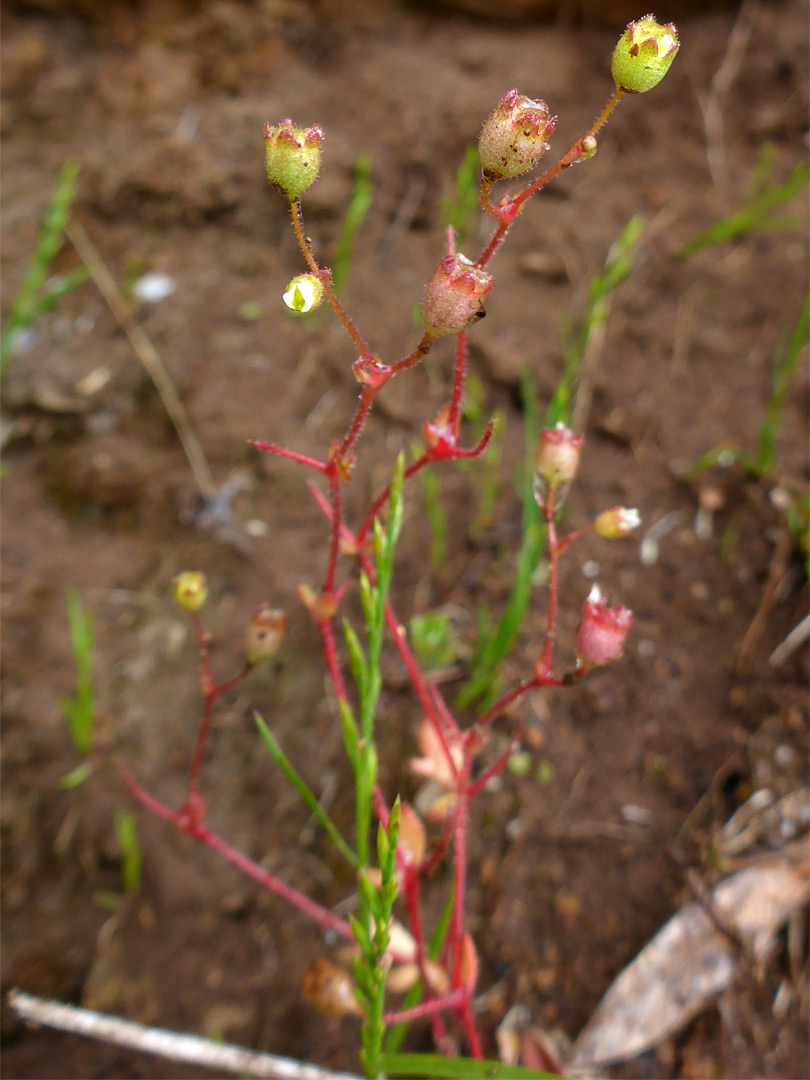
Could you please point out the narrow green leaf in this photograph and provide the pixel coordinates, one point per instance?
(126, 835)
(76, 776)
(26, 307)
(359, 205)
(357, 658)
(307, 796)
(429, 1065)
(351, 740)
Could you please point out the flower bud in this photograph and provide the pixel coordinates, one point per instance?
(558, 453)
(587, 146)
(615, 523)
(190, 590)
(454, 296)
(601, 632)
(644, 54)
(292, 157)
(264, 633)
(304, 293)
(513, 138)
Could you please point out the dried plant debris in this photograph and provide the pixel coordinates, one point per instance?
(690, 961)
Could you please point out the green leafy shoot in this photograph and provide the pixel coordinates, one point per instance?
(359, 205)
(307, 796)
(371, 928)
(460, 208)
(126, 835)
(758, 211)
(79, 710)
(376, 912)
(373, 597)
(430, 1065)
(619, 264)
(38, 295)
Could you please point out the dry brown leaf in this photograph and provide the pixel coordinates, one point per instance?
(688, 963)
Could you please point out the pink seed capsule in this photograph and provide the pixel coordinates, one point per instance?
(601, 632)
(558, 453)
(454, 296)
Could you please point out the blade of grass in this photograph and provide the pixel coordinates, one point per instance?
(491, 650)
(754, 215)
(459, 209)
(359, 205)
(126, 835)
(79, 710)
(27, 307)
(429, 1065)
(785, 363)
(307, 796)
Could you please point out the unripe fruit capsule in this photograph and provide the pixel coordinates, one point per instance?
(190, 590)
(292, 157)
(514, 136)
(644, 54)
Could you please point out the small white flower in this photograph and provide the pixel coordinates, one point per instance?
(304, 293)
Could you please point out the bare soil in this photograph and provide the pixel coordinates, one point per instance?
(163, 106)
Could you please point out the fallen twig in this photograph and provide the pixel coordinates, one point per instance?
(147, 354)
(190, 1049)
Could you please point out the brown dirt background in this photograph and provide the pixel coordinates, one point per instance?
(163, 105)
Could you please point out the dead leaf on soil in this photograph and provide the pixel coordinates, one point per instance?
(689, 962)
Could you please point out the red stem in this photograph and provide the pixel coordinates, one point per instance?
(334, 543)
(330, 655)
(571, 537)
(547, 655)
(427, 1008)
(459, 866)
(211, 691)
(499, 765)
(325, 277)
(199, 831)
(412, 888)
(282, 451)
(470, 1029)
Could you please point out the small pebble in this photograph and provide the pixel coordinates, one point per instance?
(153, 287)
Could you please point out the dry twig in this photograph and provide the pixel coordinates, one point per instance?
(147, 354)
(190, 1049)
